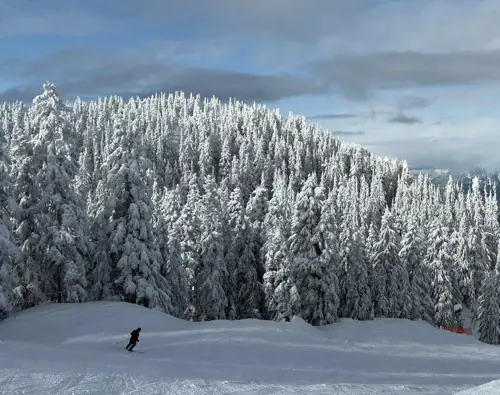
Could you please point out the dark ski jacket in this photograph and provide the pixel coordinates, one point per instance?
(134, 336)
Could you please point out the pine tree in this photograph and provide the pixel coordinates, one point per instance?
(439, 259)
(358, 301)
(167, 212)
(312, 276)
(8, 250)
(276, 254)
(491, 227)
(489, 308)
(246, 289)
(189, 233)
(412, 257)
(476, 238)
(210, 299)
(176, 275)
(256, 210)
(133, 261)
(326, 236)
(356, 294)
(385, 259)
(464, 264)
(57, 247)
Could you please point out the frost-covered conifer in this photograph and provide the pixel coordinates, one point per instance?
(53, 224)
(133, 261)
(386, 260)
(8, 250)
(246, 291)
(489, 308)
(411, 256)
(209, 297)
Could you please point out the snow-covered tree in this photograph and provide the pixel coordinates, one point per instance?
(246, 289)
(313, 271)
(130, 252)
(52, 224)
(355, 298)
(276, 254)
(8, 250)
(385, 260)
(210, 275)
(412, 257)
(189, 234)
(440, 260)
(489, 309)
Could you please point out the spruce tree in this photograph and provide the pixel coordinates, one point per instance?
(55, 241)
(247, 291)
(385, 259)
(133, 260)
(412, 257)
(9, 252)
(489, 309)
(210, 299)
(312, 274)
(189, 233)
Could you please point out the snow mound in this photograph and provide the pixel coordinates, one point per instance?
(79, 349)
(491, 388)
(87, 322)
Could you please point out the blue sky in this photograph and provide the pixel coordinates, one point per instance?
(417, 79)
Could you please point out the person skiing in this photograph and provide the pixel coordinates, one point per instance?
(134, 338)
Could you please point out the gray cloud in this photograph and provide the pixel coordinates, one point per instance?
(348, 133)
(333, 116)
(29, 17)
(358, 75)
(286, 19)
(241, 86)
(133, 74)
(277, 18)
(413, 102)
(327, 30)
(424, 153)
(404, 119)
(23, 94)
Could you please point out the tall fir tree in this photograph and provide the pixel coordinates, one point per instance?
(134, 261)
(385, 260)
(489, 308)
(210, 275)
(9, 252)
(411, 255)
(247, 292)
(55, 241)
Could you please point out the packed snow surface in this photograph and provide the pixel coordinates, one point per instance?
(75, 349)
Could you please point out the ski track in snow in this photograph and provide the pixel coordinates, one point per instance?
(73, 349)
(15, 382)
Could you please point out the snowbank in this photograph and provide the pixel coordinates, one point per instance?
(491, 388)
(73, 348)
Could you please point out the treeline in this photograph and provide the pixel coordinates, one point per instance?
(207, 211)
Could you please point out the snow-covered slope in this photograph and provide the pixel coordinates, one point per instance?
(72, 349)
(491, 388)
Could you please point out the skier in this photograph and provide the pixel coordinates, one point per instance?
(134, 338)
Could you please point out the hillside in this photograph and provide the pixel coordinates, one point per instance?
(491, 388)
(72, 349)
(207, 210)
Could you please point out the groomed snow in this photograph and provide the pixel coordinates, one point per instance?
(72, 349)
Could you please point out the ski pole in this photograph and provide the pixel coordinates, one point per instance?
(122, 341)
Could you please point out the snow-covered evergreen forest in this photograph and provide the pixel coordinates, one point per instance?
(208, 210)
